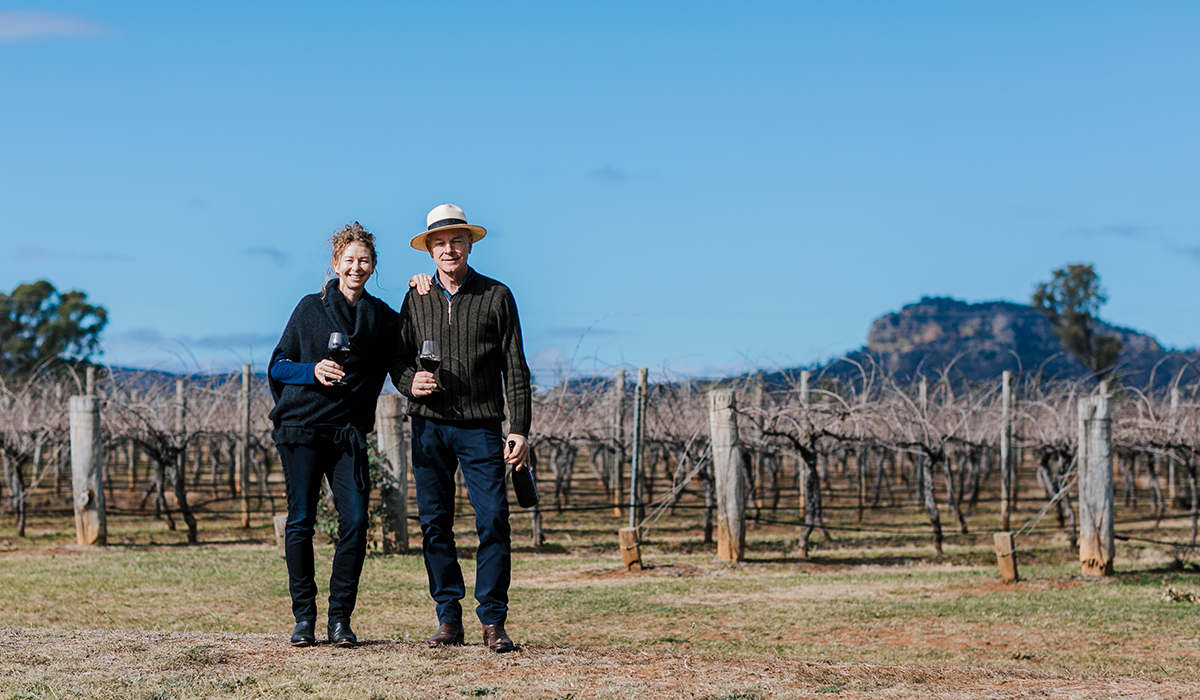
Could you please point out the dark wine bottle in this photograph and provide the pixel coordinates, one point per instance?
(523, 484)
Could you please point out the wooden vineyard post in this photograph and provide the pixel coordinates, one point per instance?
(1006, 459)
(862, 459)
(178, 473)
(1006, 557)
(1171, 458)
(1014, 494)
(132, 453)
(920, 460)
(801, 465)
(727, 472)
(393, 492)
(617, 475)
(280, 522)
(639, 448)
(1097, 546)
(133, 448)
(63, 450)
(631, 554)
(38, 458)
(757, 401)
(808, 477)
(243, 450)
(87, 458)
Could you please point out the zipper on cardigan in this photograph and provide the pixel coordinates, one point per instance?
(449, 309)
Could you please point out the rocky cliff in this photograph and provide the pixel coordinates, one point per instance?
(979, 341)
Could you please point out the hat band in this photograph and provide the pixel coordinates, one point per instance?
(445, 222)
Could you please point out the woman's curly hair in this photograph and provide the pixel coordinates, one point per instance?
(350, 233)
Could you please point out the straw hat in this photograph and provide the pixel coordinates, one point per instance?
(446, 217)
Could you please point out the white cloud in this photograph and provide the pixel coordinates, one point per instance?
(32, 25)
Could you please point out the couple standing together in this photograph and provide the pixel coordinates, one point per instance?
(324, 409)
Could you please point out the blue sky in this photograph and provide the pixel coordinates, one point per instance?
(697, 187)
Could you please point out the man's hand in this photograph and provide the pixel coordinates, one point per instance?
(516, 451)
(423, 384)
(422, 282)
(327, 372)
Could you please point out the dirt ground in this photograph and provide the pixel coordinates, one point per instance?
(37, 663)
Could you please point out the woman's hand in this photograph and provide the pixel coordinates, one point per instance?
(422, 282)
(423, 384)
(327, 372)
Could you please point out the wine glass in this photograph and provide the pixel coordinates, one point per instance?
(431, 358)
(339, 350)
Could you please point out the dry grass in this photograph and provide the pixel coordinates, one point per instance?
(163, 621)
(870, 615)
(116, 664)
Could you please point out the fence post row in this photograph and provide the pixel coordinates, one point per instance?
(389, 427)
(732, 493)
(1096, 543)
(87, 459)
(727, 473)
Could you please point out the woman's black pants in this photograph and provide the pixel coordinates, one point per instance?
(304, 466)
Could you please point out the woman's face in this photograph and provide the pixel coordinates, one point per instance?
(354, 267)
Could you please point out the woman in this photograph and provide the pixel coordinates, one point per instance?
(322, 412)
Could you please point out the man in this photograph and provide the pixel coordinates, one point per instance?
(457, 416)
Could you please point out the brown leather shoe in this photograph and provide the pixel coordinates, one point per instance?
(496, 640)
(448, 634)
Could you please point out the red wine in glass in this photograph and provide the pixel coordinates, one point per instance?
(339, 350)
(431, 357)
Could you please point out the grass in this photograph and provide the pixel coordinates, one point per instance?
(869, 614)
(883, 605)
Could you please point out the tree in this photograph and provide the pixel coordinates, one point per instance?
(1071, 302)
(39, 325)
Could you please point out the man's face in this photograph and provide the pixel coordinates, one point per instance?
(449, 250)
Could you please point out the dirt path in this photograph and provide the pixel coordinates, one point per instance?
(107, 664)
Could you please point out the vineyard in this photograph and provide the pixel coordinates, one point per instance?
(832, 460)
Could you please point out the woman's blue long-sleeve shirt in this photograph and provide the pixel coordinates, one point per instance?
(285, 371)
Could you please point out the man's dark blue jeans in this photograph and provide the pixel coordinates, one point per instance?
(438, 450)
(303, 468)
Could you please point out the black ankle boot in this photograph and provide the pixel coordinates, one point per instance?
(340, 634)
(305, 633)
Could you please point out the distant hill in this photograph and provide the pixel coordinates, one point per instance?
(983, 340)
